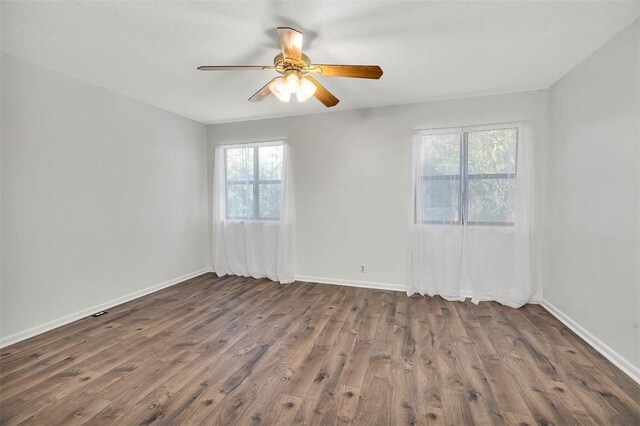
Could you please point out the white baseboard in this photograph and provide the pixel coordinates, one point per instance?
(39, 329)
(353, 283)
(616, 359)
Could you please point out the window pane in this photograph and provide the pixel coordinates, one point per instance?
(440, 200)
(239, 203)
(492, 151)
(490, 201)
(251, 197)
(441, 155)
(441, 181)
(270, 162)
(269, 201)
(239, 163)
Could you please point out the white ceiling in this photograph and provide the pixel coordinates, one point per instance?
(149, 50)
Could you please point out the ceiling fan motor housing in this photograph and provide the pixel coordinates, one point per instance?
(285, 65)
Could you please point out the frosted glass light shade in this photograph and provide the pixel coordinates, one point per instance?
(279, 88)
(305, 90)
(293, 82)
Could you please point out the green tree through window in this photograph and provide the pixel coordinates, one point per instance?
(468, 177)
(253, 177)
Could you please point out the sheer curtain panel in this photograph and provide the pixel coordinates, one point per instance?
(470, 216)
(252, 211)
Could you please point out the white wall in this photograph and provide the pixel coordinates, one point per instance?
(102, 196)
(351, 173)
(592, 235)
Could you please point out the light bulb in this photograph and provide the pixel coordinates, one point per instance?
(293, 82)
(305, 90)
(279, 88)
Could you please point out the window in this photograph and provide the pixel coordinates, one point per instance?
(468, 176)
(253, 182)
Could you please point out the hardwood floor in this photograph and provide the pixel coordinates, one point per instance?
(244, 351)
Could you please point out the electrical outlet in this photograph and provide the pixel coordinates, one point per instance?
(362, 269)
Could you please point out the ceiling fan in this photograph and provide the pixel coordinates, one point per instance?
(296, 69)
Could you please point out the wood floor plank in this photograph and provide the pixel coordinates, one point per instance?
(235, 350)
(504, 386)
(482, 400)
(342, 407)
(455, 407)
(469, 315)
(284, 410)
(519, 419)
(364, 327)
(376, 395)
(138, 385)
(70, 412)
(424, 365)
(224, 360)
(322, 389)
(247, 400)
(536, 393)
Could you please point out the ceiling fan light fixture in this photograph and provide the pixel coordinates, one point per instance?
(279, 88)
(305, 90)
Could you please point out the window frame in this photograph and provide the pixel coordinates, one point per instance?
(465, 177)
(255, 182)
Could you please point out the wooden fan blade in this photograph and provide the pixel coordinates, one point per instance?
(323, 95)
(290, 42)
(353, 71)
(262, 93)
(233, 68)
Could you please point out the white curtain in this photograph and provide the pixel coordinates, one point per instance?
(455, 260)
(253, 220)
